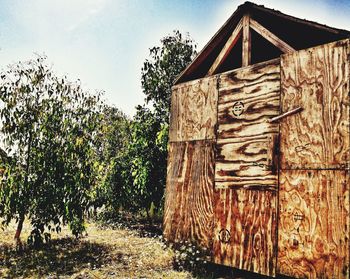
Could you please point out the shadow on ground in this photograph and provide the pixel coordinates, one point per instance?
(61, 257)
(212, 271)
(202, 270)
(123, 220)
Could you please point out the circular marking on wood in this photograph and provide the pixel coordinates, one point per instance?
(238, 108)
(224, 236)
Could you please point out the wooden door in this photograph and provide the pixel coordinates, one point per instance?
(313, 225)
(245, 169)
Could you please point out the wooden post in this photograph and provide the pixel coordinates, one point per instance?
(246, 55)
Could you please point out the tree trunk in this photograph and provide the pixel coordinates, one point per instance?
(149, 218)
(21, 211)
(18, 233)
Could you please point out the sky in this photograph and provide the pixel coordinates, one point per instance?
(105, 42)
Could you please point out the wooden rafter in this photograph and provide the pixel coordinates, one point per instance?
(246, 47)
(195, 69)
(272, 38)
(312, 24)
(227, 47)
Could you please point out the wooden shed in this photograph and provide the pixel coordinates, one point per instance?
(259, 155)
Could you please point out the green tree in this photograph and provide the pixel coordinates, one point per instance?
(159, 72)
(148, 146)
(148, 159)
(49, 129)
(111, 164)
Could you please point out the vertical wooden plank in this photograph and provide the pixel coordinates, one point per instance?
(316, 79)
(245, 200)
(314, 206)
(245, 230)
(194, 110)
(333, 90)
(188, 212)
(246, 48)
(313, 228)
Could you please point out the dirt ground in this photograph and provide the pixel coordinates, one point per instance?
(101, 253)
(121, 249)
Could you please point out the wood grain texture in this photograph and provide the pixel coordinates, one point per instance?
(247, 42)
(247, 164)
(250, 84)
(250, 218)
(313, 228)
(188, 212)
(194, 110)
(318, 80)
(247, 99)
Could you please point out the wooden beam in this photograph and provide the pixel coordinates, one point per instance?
(227, 48)
(272, 38)
(313, 24)
(246, 47)
(209, 47)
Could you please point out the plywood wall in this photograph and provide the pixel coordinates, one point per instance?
(246, 174)
(271, 198)
(313, 239)
(245, 225)
(313, 223)
(247, 99)
(188, 212)
(318, 80)
(194, 110)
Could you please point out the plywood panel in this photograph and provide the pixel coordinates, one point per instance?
(194, 110)
(188, 212)
(250, 163)
(245, 230)
(318, 80)
(314, 224)
(246, 142)
(247, 99)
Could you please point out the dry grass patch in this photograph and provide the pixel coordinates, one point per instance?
(102, 253)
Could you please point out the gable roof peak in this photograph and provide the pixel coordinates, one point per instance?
(279, 29)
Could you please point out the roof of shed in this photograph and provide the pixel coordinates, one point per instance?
(294, 32)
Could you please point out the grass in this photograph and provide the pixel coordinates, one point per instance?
(125, 248)
(104, 252)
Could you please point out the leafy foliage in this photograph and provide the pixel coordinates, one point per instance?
(148, 147)
(112, 166)
(135, 179)
(148, 155)
(68, 151)
(159, 72)
(49, 129)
